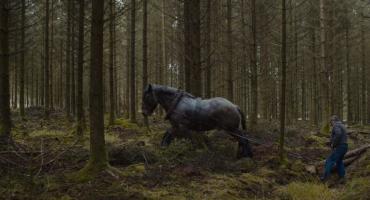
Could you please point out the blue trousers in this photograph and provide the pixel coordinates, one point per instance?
(336, 157)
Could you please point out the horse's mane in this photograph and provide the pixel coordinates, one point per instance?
(167, 89)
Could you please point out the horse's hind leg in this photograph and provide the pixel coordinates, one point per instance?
(167, 138)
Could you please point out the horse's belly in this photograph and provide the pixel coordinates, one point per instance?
(202, 123)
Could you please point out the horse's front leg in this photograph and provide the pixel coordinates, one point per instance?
(167, 138)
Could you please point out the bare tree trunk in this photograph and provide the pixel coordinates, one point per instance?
(283, 82)
(80, 69)
(98, 155)
(68, 61)
(132, 67)
(46, 73)
(363, 74)
(244, 66)
(208, 53)
(51, 66)
(163, 67)
(254, 77)
(111, 63)
(145, 51)
(230, 84)
(325, 104)
(73, 58)
(128, 74)
(193, 79)
(5, 121)
(22, 65)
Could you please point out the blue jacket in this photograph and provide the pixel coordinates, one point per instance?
(338, 135)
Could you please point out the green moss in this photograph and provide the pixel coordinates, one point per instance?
(358, 188)
(317, 140)
(245, 164)
(134, 170)
(111, 138)
(47, 133)
(325, 128)
(305, 191)
(126, 124)
(89, 172)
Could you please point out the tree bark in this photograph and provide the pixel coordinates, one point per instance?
(193, 79)
(22, 65)
(5, 121)
(145, 51)
(98, 155)
(46, 73)
(325, 104)
(230, 81)
(68, 62)
(80, 69)
(111, 63)
(283, 82)
(132, 66)
(208, 54)
(254, 76)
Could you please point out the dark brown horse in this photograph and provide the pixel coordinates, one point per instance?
(187, 113)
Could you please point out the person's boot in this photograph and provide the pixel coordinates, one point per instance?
(323, 179)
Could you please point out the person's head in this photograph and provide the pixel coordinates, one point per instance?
(334, 119)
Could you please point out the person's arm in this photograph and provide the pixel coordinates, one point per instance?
(335, 137)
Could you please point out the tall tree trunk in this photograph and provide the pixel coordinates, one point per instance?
(132, 67)
(230, 84)
(73, 59)
(208, 53)
(80, 69)
(244, 66)
(363, 73)
(23, 52)
(128, 62)
(145, 51)
(111, 63)
(68, 61)
(254, 76)
(325, 104)
(163, 67)
(16, 74)
(98, 155)
(283, 81)
(193, 79)
(46, 73)
(51, 66)
(5, 121)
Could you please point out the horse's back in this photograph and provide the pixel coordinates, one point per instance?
(223, 113)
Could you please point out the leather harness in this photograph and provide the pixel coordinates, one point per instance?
(174, 104)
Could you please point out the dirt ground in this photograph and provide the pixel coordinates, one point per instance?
(46, 156)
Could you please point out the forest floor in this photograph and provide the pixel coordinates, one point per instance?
(45, 156)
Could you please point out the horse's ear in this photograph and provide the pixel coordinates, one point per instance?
(150, 87)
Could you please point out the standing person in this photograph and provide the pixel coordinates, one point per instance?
(339, 146)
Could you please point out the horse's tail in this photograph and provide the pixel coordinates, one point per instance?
(242, 120)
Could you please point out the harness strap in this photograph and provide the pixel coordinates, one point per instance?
(174, 105)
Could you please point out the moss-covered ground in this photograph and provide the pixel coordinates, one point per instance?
(46, 156)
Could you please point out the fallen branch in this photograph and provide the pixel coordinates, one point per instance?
(364, 132)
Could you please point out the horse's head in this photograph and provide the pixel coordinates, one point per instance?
(149, 102)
